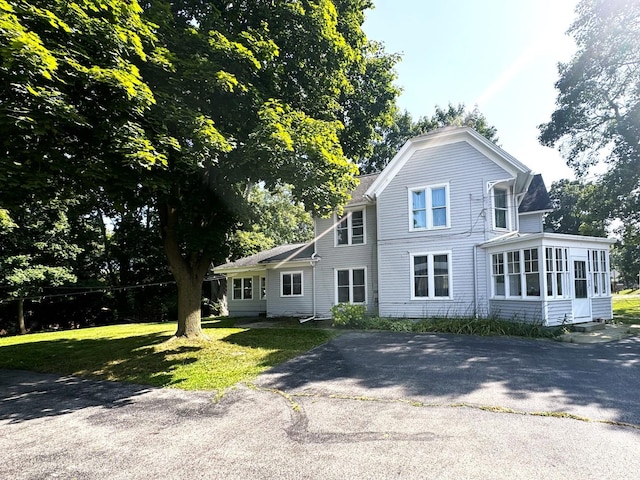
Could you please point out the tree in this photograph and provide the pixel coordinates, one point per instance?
(36, 251)
(597, 116)
(273, 218)
(394, 136)
(278, 93)
(576, 209)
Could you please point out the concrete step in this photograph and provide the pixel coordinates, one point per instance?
(589, 326)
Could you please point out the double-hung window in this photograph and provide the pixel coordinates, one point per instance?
(497, 262)
(243, 288)
(500, 208)
(291, 284)
(429, 207)
(350, 229)
(431, 275)
(351, 286)
(531, 272)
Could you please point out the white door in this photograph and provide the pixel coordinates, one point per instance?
(581, 300)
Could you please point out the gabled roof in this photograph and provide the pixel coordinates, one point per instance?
(280, 254)
(537, 198)
(449, 135)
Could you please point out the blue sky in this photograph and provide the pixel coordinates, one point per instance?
(499, 54)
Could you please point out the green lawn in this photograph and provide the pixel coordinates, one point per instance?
(626, 308)
(139, 353)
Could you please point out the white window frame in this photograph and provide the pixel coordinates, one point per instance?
(508, 208)
(599, 273)
(430, 274)
(520, 274)
(428, 189)
(559, 272)
(495, 275)
(242, 288)
(292, 273)
(263, 287)
(350, 270)
(348, 217)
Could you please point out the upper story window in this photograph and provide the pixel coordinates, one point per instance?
(501, 208)
(350, 229)
(429, 207)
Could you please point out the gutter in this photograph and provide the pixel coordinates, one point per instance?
(315, 258)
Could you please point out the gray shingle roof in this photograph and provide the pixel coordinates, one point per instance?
(295, 251)
(537, 198)
(357, 196)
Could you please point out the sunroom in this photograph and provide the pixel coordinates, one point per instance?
(549, 278)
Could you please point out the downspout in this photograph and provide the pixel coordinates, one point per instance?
(314, 259)
(475, 281)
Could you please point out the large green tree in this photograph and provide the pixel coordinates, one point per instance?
(403, 127)
(577, 209)
(182, 105)
(597, 116)
(36, 251)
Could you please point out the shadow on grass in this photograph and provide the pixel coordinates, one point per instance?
(282, 343)
(133, 360)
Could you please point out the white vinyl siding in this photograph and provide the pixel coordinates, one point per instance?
(338, 257)
(429, 207)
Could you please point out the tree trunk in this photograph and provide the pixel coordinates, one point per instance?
(21, 324)
(189, 299)
(188, 272)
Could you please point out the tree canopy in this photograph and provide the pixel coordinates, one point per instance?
(597, 116)
(394, 136)
(181, 106)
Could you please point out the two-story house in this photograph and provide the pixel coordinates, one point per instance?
(452, 227)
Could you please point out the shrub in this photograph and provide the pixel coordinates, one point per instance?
(349, 315)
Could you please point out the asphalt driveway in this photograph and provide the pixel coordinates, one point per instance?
(366, 405)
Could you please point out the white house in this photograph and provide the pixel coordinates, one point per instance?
(451, 227)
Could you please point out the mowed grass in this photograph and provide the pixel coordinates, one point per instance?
(626, 308)
(140, 353)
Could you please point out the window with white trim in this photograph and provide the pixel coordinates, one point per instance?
(263, 288)
(557, 271)
(291, 284)
(497, 263)
(242, 288)
(429, 207)
(500, 208)
(520, 278)
(431, 275)
(598, 270)
(350, 228)
(351, 285)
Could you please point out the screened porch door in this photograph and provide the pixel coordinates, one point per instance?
(581, 300)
